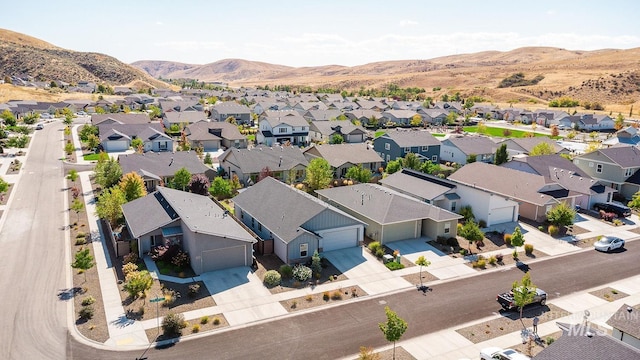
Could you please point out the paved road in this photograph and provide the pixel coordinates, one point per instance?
(32, 319)
(340, 331)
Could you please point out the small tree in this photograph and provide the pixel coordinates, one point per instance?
(108, 172)
(337, 139)
(207, 159)
(467, 213)
(421, 261)
(72, 175)
(136, 144)
(132, 185)
(137, 283)
(172, 324)
(359, 174)
(472, 158)
(77, 205)
(69, 148)
(394, 328)
(83, 261)
(220, 188)
(181, 179)
(411, 161)
(501, 155)
(471, 231)
(264, 173)
(4, 186)
(634, 203)
(319, 174)
(523, 293)
(517, 239)
(199, 184)
(561, 215)
(316, 263)
(393, 166)
(542, 148)
(109, 205)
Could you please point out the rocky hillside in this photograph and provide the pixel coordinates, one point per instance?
(228, 70)
(23, 55)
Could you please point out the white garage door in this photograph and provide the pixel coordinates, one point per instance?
(115, 145)
(338, 239)
(501, 215)
(223, 258)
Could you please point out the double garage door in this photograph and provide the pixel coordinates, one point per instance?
(338, 239)
(224, 258)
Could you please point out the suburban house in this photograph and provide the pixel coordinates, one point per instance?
(450, 106)
(222, 111)
(182, 118)
(556, 169)
(341, 157)
(372, 105)
(177, 106)
(520, 192)
(626, 136)
(580, 342)
(616, 167)
(626, 325)
(324, 131)
(261, 106)
(212, 135)
(397, 143)
(286, 163)
(457, 149)
(433, 116)
(120, 118)
(493, 209)
(400, 117)
(117, 137)
(207, 233)
(323, 115)
(389, 215)
(158, 169)
(294, 222)
(519, 146)
(363, 115)
(587, 122)
(287, 127)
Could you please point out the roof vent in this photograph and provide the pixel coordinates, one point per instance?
(589, 334)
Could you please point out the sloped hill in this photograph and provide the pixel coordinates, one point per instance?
(24, 55)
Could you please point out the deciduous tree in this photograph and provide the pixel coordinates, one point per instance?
(83, 261)
(108, 172)
(77, 205)
(181, 179)
(132, 185)
(393, 329)
(109, 205)
(561, 215)
(199, 184)
(319, 174)
(523, 293)
(137, 283)
(517, 239)
(421, 261)
(359, 174)
(542, 148)
(220, 188)
(471, 231)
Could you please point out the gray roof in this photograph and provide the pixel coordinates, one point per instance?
(577, 345)
(291, 119)
(383, 205)
(409, 138)
(142, 131)
(421, 185)
(503, 181)
(627, 320)
(199, 213)
(170, 105)
(202, 131)
(189, 117)
(96, 119)
(277, 158)
(341, 154)
(163, 164)
(231, 107)
(527, 144)
(363, 113)
(323, 115)
(335, 127)
(625, 156)
(472, 144)
(283, 209)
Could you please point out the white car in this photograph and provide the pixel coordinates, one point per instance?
(608, 243)
(40, 126)
(496, 353)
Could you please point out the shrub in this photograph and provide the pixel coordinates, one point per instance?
(392, 265)
(617, 222)
(86, 312)
(336, 295)
(195, 328)
(309, 298)
(374, 246)
(294, 304)
(515, 254)
(194, 289)
(131, 257)
(286, 271)
(507, 239)
(463, 252)
(302, 273)
(272, 278)
(493, 260)
(88, 301)
(528, 249)
(216, 321)
(170, 296)
(453, 242)
(550, 340)
(480, 263)
(541, 228)
(380, 253)
(180, 259)
(482, 223)
(204, 320)
(326, 296)
(172, 324)
(81, 241)
(128, 268)
(441, 240)
(81, 235)
(141, 310)
(499, 258)
(553, 230)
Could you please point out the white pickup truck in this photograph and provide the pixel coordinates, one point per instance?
(496, 353)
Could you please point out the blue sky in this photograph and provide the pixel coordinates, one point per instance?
(311, 33)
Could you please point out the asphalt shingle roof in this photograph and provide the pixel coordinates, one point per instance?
(163, 164)
(627, 320)
(416, 183)
(277, 158)
(625, 156)
(409, 138)
(341, 154)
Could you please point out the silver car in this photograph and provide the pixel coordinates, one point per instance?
(608, 243)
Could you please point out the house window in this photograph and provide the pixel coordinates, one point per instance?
(241, 214)
(407, 150)
(282, 130)
(304, 249)
(628, 172)
(163, 145)
(434, 158)
(453, 206)
(387, 146)
(253, 222)
(388, 157)
(425, 149)
(259, 227)
(447, 227)
(599, 168)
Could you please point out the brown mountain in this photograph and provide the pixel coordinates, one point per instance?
(24, 55)
(607, 76)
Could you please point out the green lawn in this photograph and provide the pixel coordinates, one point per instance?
(251, 137)
(91, 157)
(379, 133)
(438, 135)
(499, 132)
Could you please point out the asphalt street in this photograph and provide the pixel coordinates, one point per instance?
(336, 332)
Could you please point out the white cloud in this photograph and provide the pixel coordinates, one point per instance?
(551, 12)
(405, 23)
(159, 23)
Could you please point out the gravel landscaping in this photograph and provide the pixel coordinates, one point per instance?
(609, 294)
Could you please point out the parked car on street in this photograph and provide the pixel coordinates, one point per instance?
(618, 209)
(39, 126)
(506, 299)
(496, 353)
(608, 243)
